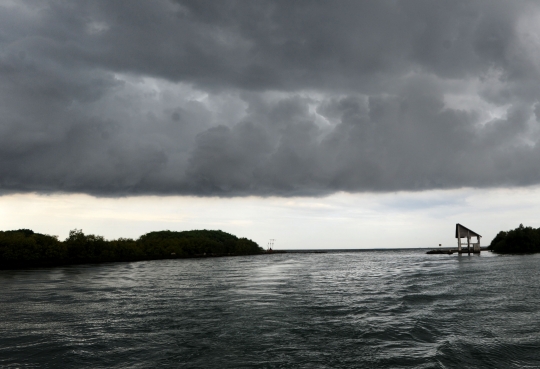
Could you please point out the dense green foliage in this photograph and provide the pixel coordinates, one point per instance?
(26, 248)
(519, 240)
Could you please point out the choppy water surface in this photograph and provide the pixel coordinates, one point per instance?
(376, 309)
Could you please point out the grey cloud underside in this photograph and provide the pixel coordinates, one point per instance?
(236, 98)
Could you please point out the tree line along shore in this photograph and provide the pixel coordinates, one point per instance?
(26, 248)
(522, 240)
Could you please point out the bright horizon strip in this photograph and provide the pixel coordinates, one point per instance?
(338, 221)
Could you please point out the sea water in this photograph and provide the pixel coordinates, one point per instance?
(370, 309)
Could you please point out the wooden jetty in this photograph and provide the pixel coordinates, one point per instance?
(462, 232)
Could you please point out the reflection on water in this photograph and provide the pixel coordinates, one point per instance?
(377, 309)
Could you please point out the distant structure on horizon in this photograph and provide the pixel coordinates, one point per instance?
(270, 245)
(464, 232)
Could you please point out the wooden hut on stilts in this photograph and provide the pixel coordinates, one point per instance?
(464, 232)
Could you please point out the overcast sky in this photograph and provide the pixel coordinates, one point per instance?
(224, 104)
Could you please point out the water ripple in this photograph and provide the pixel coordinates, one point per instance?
(383, 309)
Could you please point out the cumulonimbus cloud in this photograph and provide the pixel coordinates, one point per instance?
(268, 97)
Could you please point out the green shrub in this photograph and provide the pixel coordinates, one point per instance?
(26, 248)
(519, 240)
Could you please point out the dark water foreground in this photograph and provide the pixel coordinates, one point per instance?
(377, 309)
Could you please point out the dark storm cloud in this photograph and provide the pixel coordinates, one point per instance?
(235, 98)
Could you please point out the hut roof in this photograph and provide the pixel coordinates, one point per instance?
(463, 231)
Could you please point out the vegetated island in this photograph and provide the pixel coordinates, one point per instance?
(25, 248)
(522, 240)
